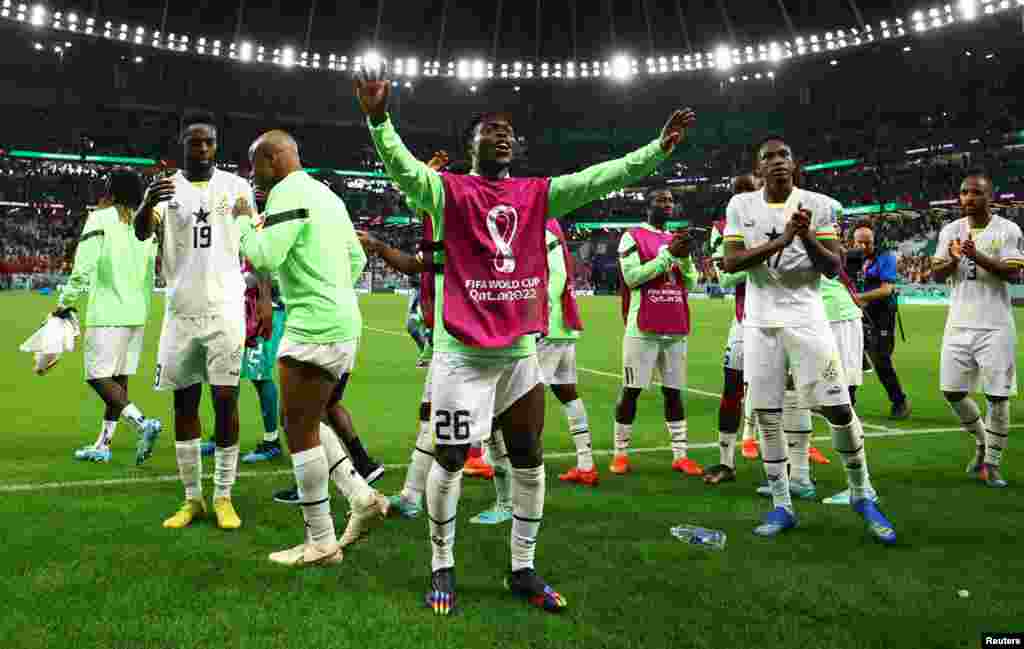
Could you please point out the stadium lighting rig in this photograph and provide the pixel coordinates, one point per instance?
(621, 67)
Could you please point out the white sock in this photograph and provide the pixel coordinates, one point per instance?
(225, 470)
(527, 512)
(190, 468)
(623, 438)
(272, 436)
(311, 477)
(497, 456)
(419, 465)
(443, 490)
(970, 418)
(848, 441)
(133, 414)
(727, 449)
(579, 428)
(677, 432)
(748, 419)
(773, 452)
(340, 468)
(997, 428)
(106, 433)
(796, 423)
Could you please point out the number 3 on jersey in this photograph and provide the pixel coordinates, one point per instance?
(201, 236)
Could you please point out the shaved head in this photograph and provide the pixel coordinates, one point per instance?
(273, 155)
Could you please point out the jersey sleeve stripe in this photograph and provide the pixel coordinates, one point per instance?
(733, 237)
(90, 235)
(827, 236)
(1015, 261)
(284, 217)
(553, 245)
(628, 251)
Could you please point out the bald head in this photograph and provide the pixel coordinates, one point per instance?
(745, 183)
(274, 155)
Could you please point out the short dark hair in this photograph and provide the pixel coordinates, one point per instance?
(197, 117)
(863, 223)
(764, 141)
(124, 186)
(978, 172)
(478, 118)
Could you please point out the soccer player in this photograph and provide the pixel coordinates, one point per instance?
(116, 269)
(980, 252)
(265, 317)
(657, 273)
(785, 238)
(490, 301)
(204, 322)
(304, 227)
(556, 353)
(731, 406)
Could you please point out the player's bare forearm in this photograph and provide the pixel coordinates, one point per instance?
(738, 258)
(997, 267)
(824, 254)
(941, 270)
(145, 223)
(402, 262)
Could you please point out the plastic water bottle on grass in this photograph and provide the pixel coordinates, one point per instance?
(694, 535)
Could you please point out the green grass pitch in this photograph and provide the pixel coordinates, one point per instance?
(86, 563)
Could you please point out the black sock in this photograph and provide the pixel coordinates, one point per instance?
(359, 456)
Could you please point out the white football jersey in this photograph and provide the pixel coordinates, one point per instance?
(981, 300)
(782, 291)
(200, 250)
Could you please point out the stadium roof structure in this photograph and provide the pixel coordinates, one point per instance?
(432, 38)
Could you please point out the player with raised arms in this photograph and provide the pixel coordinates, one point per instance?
(980, 252)
(657, 274)
(204, 322)
(491, 301)
(785, 238)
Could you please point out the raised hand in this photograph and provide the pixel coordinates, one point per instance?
(372, 90)
(798, 225)
(969, 249)
(242, 208)
(439, 161)
(680, 245)
(955, 250)
(159, 191)
(674, 130)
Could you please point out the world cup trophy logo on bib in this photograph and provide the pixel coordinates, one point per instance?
(502, 222)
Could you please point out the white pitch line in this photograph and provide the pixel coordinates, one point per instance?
(45, 486)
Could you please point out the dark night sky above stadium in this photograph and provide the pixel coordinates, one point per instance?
(412, 27)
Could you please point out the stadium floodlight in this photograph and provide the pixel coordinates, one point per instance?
(38, 15)
(917, 16)
(372, 61)
(621, 67)
(38, 46)
(472, 88)
(412, 67)
(462, 70)
(723, 58)
(478, 69)
(245, 52)
(288, 57)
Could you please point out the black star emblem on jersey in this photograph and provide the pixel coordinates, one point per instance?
(774, 234)
(202, 216)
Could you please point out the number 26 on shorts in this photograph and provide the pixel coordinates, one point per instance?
(457, 422)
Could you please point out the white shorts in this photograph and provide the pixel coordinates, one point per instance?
(849, 336)
(112, 351)
(812, 357)
(200, 349)
(734, 347)
(337, 359)
(557, 361)
(426, 383)
(979, 360)
(641, 355)
(468, 393)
